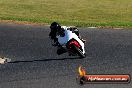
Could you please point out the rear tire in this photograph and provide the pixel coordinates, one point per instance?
(78, 51)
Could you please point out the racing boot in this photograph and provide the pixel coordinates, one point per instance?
(84, 41)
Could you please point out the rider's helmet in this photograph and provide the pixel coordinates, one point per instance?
(56, 29)
(55, 26)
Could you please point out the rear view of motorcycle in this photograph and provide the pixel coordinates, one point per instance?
(71, 43)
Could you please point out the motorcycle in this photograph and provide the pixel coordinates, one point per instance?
(72, 43)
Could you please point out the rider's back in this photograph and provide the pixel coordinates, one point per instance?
(68, 34)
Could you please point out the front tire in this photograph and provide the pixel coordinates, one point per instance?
(78, 51)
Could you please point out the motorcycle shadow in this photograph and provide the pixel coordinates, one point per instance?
(45, 60)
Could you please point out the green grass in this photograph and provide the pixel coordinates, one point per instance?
(69, 12)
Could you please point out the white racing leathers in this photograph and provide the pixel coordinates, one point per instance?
(68, 36)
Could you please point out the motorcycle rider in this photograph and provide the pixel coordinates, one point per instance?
(56, 29)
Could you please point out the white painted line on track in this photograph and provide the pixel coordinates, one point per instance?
(92, 27)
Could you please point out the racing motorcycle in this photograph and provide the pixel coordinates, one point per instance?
(72, 43)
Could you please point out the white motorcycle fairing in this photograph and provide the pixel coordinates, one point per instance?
(68, 36)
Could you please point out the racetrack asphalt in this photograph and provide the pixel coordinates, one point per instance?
(35, 64)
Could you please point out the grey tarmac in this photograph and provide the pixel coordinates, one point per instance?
(35, 64)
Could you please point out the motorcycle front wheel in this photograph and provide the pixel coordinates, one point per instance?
(78, 51)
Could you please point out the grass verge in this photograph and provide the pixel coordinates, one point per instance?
(82, 13)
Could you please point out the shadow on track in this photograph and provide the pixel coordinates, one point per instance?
(44, 60)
